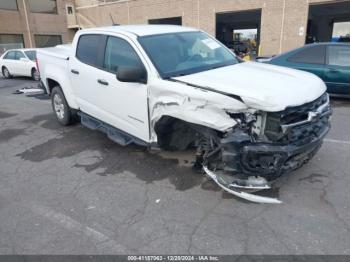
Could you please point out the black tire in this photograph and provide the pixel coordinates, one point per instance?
(6, 72)
(35, 74)
(64, 114)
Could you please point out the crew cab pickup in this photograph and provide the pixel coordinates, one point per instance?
(174, 88)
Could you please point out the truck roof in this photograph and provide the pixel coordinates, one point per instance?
(143, 30)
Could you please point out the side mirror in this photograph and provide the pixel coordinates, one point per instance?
(134, 74)
(23, 59)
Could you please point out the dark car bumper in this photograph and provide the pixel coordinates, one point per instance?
(271, 161)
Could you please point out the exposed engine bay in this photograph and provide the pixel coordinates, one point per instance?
(258, 150)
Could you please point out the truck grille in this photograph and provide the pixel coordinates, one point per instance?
(300, 133)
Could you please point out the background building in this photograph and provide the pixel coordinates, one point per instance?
(32, 23)
(272, 26)
(264, 27)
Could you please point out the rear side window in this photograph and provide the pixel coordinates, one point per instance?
(88, 49)
(119, 53)
(19, 55)
(31, 55)
(311, 55)
(10, 55)
(339, 55)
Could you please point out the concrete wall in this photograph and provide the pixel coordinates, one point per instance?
(14, 22)
(283, 22)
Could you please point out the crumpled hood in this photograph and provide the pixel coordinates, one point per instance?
(261, 86)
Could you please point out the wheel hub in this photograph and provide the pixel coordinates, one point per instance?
(6, 72)
(58, 106)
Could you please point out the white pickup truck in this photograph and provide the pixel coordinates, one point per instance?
(175, 88)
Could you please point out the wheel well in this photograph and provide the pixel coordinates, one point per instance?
(176, 134)
(51, 84)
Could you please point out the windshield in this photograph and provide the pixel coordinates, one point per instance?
(177, 54)
(31, 55)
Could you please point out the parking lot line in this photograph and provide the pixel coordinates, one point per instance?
(68, 223)
(329, 140)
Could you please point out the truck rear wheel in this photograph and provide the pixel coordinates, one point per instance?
(64, 114)
(35, 74)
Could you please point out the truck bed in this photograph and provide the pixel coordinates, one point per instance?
(53, 62)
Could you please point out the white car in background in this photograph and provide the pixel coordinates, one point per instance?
(19, 62)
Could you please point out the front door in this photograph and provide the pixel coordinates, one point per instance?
(124, 103)
(337, 74)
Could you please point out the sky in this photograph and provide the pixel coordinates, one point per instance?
(341, 29)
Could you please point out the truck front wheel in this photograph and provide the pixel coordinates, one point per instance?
(64, 114)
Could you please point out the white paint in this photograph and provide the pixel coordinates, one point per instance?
(142, 30)
(262, 86)
(301, 31)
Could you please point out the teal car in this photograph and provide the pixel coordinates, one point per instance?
(329, 61)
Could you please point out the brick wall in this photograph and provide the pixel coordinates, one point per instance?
(283, 22)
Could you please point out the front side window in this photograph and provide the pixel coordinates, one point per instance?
(43, 6)
(47, 40)
(10, 55)
(31, 55)
(119, 53)
(9, 5)
(339, 55)
(310, 55)
(176, 54)
(19, 55)
(88, 49)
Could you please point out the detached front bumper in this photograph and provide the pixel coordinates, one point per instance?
(251, 166)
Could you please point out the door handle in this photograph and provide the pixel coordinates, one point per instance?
(333, 70)
(75, 71)
(102, 82)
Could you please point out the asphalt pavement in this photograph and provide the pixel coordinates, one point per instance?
(70, 190)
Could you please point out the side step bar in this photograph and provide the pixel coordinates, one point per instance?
(116, 135)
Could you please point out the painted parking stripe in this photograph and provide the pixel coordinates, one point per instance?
(337, 141)
(100, 239)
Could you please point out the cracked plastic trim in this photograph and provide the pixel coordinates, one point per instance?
(244, 195)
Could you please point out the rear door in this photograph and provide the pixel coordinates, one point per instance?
(20, 65)
(83, 69)
(337, 74)
(311, 59)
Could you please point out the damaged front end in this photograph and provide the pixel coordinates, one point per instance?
(263, 146)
